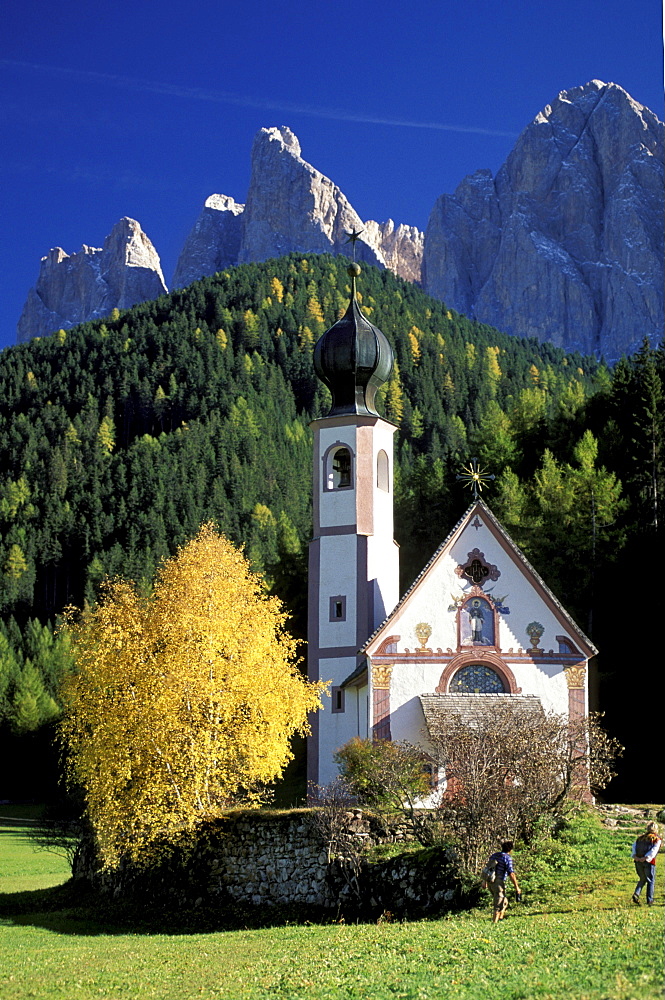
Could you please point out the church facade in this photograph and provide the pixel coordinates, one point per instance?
(477, 625)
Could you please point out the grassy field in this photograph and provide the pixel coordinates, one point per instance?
(577, 935)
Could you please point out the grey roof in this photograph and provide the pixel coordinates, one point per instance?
(356, 675)
(354, 359)
(475, 506)
(440, 709)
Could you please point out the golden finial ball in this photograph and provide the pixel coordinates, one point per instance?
(353, 270)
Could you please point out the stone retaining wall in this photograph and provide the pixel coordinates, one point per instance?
(281, 860)
(268, 859)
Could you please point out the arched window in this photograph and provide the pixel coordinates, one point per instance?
(456, 680)
(338, 476)
(382, 472)
(476, 678)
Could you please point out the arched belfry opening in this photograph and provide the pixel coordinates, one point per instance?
(339, 474)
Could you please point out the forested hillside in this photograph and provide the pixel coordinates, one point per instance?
(119, 438)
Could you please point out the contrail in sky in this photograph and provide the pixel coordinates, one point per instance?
(225, 97)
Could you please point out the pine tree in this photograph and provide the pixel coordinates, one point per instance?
(15, 563)
(649, 429)
(494, 440)
(32, 705)
(391, 396)
(10, 669)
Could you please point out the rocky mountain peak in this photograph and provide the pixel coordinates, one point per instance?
(282, 135)
(86, 285)
(291, 206)
(127, 245)
(223, 203)
(566, 242)
(214, 242)
(401, 247)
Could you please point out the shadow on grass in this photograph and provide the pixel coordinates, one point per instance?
(76, 908)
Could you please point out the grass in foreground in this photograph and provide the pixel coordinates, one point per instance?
(576, 936)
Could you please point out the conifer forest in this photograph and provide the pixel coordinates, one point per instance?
(120, 437)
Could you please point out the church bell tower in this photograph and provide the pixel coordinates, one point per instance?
(353, 558)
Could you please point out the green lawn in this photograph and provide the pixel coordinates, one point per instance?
(576, 936)
(22, 867)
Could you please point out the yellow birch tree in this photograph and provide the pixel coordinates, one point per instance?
(182, 702)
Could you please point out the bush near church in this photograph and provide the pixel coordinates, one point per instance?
(507, 776)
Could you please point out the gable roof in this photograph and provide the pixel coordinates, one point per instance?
(480, 508)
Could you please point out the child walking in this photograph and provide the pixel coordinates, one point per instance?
(503, 866)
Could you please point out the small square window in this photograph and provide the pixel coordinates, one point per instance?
(338, 608)
(337, 695)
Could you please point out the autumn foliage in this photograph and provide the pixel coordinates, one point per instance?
(183, 701)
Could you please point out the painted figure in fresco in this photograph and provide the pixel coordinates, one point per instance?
(478, 623)
(476, 619)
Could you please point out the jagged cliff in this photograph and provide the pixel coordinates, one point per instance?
(566, 242)
(92, 282)
(401, 247)
(214, 242)
(290, 206)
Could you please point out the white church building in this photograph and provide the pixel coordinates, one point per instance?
(478, 624)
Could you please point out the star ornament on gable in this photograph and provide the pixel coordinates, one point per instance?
(475, 478)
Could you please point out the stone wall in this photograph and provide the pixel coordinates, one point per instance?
(281, 860)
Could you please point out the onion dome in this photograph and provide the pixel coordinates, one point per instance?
(354, 359)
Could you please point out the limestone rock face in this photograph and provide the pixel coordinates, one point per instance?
(214, 242)
(90, 283)
(566, 242)
(293, 207)
(401, 247)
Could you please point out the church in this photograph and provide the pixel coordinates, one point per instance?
(478, 624)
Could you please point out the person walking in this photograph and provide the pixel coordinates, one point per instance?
(645, 850)
(503, 865)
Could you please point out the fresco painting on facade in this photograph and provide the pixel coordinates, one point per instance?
(477, 623)
(423, 632)
(498, 602)
(535, 631)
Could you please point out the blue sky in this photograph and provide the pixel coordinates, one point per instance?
(145, 109)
